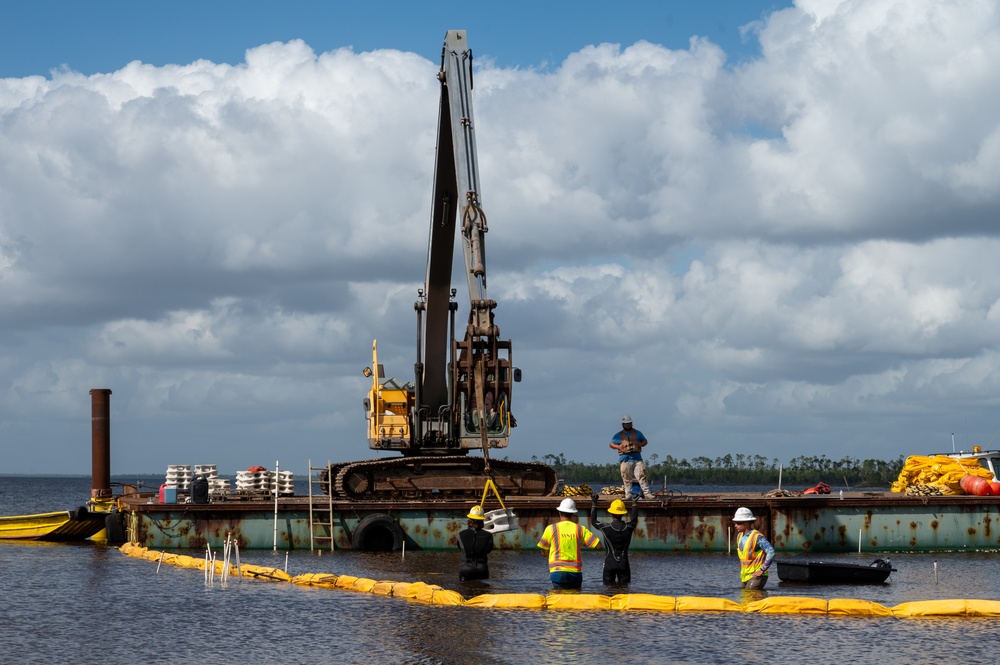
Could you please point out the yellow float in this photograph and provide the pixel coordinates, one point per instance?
(435, 595)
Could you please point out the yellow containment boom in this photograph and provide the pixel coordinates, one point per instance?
(435, 595)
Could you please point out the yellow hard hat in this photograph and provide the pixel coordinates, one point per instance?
(476, 513)
(617, 507)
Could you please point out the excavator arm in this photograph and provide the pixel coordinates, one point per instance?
(460, 397)
(462, 387)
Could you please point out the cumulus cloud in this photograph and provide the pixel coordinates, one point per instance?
(791, 254)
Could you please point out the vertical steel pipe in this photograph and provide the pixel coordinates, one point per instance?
(100, 455)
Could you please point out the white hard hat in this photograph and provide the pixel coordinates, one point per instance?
(567, 506)
(626, 419)
(743, 515)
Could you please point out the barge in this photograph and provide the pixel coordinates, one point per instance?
(860, 522)
(670, 522)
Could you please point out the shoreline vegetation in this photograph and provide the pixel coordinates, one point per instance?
(728, 470)
(737, 470)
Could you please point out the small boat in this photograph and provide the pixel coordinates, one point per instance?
(827, 572)
(988, 459)
(61, 525)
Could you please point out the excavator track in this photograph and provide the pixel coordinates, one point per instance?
(431, 477)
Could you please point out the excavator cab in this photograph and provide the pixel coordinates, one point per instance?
(387, 409)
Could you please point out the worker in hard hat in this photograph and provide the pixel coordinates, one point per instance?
(629, 442)
(564, 541)
(617, 538)
(476, 543)
(756, 554)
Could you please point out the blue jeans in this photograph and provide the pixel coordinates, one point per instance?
(564, 580)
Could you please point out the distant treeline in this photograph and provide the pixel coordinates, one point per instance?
(737, 470)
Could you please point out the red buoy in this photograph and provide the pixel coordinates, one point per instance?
(995, 488)
(975, 485)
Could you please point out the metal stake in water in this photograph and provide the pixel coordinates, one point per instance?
(286, 562)
(275, 505)
(404, 550)
(859, 540)
(935, 572)
(729, 540)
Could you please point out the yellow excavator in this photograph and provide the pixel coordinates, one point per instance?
(460, 398)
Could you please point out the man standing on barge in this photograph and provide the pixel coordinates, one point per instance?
(629, 442)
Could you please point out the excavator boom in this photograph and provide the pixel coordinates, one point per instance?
(460, 396)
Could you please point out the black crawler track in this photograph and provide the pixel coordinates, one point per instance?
(428, 477)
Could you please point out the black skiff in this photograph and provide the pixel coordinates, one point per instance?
(828, 572)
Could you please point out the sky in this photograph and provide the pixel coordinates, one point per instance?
(759, 228)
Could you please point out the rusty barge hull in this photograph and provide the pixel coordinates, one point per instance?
(868, 522)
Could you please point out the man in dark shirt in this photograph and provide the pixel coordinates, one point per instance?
(476, 544)
(617, 537)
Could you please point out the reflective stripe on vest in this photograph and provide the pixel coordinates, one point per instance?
(750, 562)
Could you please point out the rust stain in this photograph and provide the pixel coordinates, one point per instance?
(680, 528)
(972, 530)
(987, 531)
(868, 520)
(934, 525)
(913, 525)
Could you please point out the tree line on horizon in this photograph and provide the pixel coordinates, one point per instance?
(738, 469)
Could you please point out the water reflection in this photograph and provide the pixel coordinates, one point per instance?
(87, 604)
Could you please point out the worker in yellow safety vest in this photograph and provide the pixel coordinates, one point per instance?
(563, 540)
(753, 549)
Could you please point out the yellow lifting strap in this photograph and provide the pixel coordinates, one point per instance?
(490, 485)
(496, 521)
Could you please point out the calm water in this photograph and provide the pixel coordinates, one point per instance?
(89, 604)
